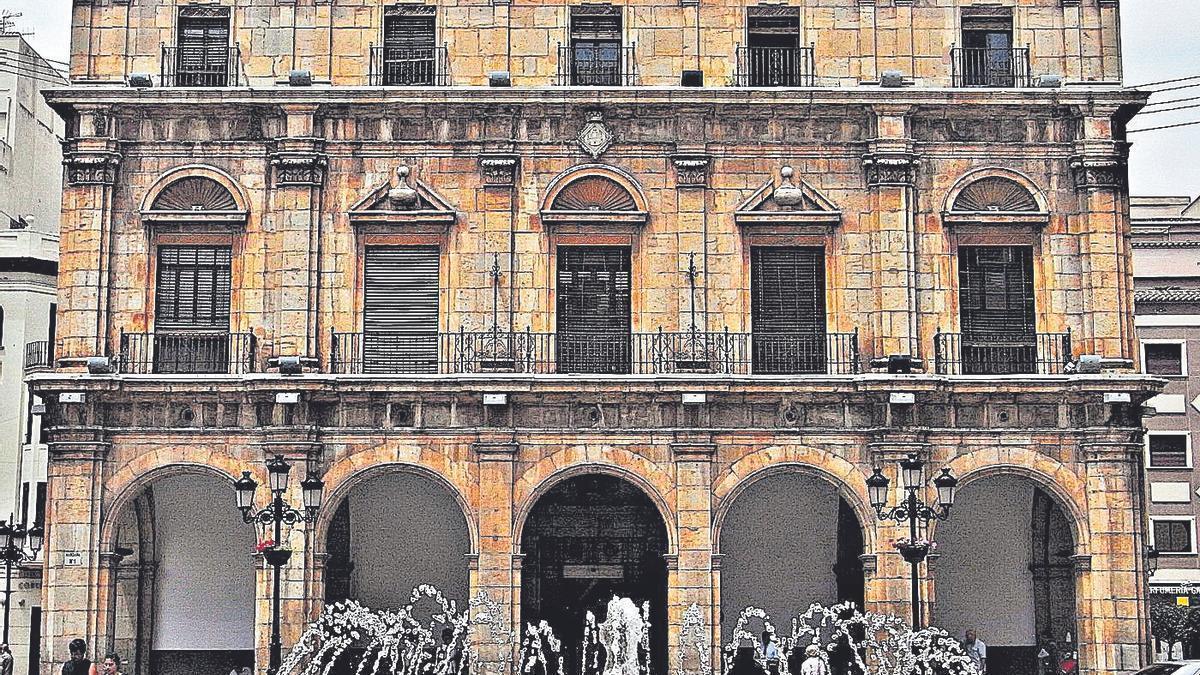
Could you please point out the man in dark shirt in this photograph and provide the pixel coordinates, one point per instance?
(78, 665)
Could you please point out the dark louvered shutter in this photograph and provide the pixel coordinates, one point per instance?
(203, 58)
(996, 290)
(409, 57)
(787, 308)
(193, 287)
(400, 309)
(593, 309)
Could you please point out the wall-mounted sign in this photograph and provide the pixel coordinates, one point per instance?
(593, 572)
(72, 559)
(1183, 601)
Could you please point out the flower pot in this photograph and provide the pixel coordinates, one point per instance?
(913, 553)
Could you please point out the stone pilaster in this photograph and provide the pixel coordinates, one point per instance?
(298, 174)
(890, 172)
(690, 580)
(496, 573)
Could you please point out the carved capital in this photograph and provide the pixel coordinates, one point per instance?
(691, 170)
(1094, 171)
(890, 167)
(91, 161)
(499, 169)
(299, 161)
(1082, 563)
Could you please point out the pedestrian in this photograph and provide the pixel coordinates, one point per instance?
(79, 664)
(110, 666)
(770, 653)
(6, 660)
(813, 663)
(976, 651)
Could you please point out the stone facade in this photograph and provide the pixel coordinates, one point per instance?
(887, 181)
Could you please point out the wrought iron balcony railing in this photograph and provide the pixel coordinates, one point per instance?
(1000, 354)
(774, 67)
(39, 354)
(200, 66)
(188, 352)
(689, 352)
(409, 66)
(597, 65)
(980, 67)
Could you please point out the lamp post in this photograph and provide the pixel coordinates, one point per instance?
(17, 545)
(912, 509)
(277, 514)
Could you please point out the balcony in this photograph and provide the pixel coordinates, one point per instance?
(979, 354)
(205, 66)
(597, 64)
(774, 67)
(187, 352)
(39, 355)
(409, 67)
(983, 67)
(691, 352)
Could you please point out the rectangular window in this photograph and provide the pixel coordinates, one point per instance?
(595, 52)
(400, 309)
(1168, 450)
(987, 55)
(1173, 535)
(39, 504)
(999, 326)
(409, 55)
(203, 54)
(593, 305)
(773, 56)
(1164, 358)
(787, 309)
(191, 310)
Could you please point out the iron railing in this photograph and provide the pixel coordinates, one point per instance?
(409, 66)
(164, 352)
(200, 66)
(982, 67)
(688, 352)
(774, 67)
(39, 354)
(1000, 354)
(597, 65)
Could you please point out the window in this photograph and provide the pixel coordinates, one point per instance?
(997, 312)
(191, 311)
(593, 304)
(400, 309)
(203, 55)
(986, 58)
(787, 309)
(409, 55)
(1169, 449)
(1164, 358)
(1173, 535)
(773, 56)
(595, 54)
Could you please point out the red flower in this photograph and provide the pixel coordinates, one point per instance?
(264, 545)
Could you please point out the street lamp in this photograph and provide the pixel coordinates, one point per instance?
(276, 514)
(1151, 561)
(17, 545)
(912, 509)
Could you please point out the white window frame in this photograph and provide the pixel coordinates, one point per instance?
(1183, 356)
(1187, 436)
(1190, 520)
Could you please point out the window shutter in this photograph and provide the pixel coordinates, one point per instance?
(409, 30)
(1168, 451)
(996, 290)
(400, 309)
(194, 287)
(787, 309)
(593, 309)
(596, 22)
(203, 44)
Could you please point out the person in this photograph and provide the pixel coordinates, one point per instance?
(770, 653)
(110, 666)
(813, 663)
(6, 660)
(79, 664)
(976, 651)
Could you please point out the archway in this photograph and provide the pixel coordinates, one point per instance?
(788, 540)
(185, 581)
(1005, 570)
(393, 532)
(588, 538)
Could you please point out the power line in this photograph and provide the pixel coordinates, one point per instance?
(1163, 110)
(32, 76)
(1155, 84)
(33, 54)
(1165, 126)
(1174, 100)
(1182, 86)
(24, 59)
(32, 68)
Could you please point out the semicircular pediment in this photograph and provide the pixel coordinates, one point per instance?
(995, 193)
(194, 193)
(594, 193)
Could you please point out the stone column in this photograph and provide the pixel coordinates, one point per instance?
(889, 587)
(1111, 596)
(91, 159)
(1099, 170)
(890, 167)
(690, 580)
(497, 575)
(298, 173)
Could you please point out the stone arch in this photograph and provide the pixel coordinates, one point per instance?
(218, 190)
(594, 187)
(844, 476)
(995, 189)
(539, 479)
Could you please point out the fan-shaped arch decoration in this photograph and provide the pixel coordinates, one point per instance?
(594, 193)
(995, 193)
(195, 193)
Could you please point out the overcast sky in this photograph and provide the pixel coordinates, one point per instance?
(1159, 42)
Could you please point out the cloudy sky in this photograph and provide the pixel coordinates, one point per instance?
(1159, 41)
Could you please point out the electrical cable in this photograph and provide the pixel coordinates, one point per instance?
(1163, 110)
(32, 76)
(1174, 100)
(43, 58)
(1155, 84)
(1165, 126)
(33, 71)
(33, 65)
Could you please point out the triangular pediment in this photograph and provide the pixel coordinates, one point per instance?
(789, 202)
(403, 200)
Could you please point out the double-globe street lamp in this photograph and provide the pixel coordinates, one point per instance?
(912, 509)
(17, 545)
(277, 514)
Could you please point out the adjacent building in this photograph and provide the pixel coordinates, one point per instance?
(30, 202)
(563, 301)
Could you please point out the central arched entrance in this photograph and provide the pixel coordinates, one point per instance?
(589, 538)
